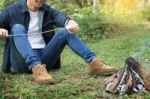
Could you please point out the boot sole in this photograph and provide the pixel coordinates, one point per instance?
(44, 82)
(102, 74)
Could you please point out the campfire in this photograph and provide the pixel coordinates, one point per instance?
(133, 78)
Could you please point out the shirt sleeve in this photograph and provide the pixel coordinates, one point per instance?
(59, 18)
(4, 19)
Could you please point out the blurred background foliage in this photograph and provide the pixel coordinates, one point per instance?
(99, 19)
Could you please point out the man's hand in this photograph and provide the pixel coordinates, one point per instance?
(3, 33)
(72, 27)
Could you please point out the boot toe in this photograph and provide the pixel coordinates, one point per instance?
(45, 81)
(110, 72)
(104, 71)
(98, 67)
(41, 76)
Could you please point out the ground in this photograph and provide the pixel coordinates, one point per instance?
(73, 80)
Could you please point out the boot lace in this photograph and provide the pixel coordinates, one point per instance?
(39, 69)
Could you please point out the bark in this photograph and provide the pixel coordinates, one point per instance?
(95, 3)
(79, 3)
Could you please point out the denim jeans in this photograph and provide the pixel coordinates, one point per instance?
(23, 57)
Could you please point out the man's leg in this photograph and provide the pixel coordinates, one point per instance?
(62, 38)
(22, 45)
(57, 44)
(31, 60)
(17, 62)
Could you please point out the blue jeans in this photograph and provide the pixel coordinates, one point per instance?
(23, 57)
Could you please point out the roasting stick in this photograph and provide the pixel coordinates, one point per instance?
(33, 33)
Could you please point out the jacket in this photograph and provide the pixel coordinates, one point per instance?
(18, 14)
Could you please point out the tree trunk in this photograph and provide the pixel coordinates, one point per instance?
(148, 4)
(95, 3)
(79, 3)
(85, 3)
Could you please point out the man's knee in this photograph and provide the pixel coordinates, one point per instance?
(62, 32)
(18, 29)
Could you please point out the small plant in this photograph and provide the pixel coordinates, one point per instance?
(93, 26)
(146, 13)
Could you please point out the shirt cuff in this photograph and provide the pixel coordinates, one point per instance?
(66, 22)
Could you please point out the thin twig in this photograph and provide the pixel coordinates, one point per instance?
(29, 33)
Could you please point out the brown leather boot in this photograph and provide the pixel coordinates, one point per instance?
(41, 76)
(98, 67)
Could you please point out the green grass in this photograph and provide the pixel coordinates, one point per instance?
(73, 81)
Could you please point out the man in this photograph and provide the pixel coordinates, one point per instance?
(26, 51)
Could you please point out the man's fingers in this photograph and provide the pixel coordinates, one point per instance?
(6, 32)
(3, 33)
(72, 26)
(74, 29)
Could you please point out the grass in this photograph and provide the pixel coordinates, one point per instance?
(73, 81)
